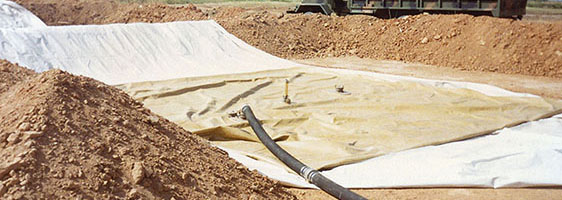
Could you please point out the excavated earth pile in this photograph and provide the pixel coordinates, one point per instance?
(76, 12)
(65, 136)
(11, 74)
(458, 41)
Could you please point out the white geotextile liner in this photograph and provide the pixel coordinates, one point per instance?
(123, 53)
(528, 155)
(13, 15)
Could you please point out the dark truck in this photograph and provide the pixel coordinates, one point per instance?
(397, 8)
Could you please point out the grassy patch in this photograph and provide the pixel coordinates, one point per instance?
(544, 4)
(544, 11)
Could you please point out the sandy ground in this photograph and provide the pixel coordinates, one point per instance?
(543, 86)
(442, 193)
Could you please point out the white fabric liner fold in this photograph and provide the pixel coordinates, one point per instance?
(12, 15)
(124, 53)
(526, 155)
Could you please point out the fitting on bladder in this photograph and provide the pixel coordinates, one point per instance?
(286, 98)
(339, 88)
(236, 113)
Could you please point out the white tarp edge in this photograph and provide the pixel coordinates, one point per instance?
(12, 15)
(527, 155)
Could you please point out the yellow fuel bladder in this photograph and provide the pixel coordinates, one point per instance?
(324, 128)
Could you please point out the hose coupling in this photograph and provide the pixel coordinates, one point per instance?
(308, 173)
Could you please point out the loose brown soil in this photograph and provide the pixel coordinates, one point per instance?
(11, 74)
(444, 194)
(76, 12)
(64, 136)
(457, 41)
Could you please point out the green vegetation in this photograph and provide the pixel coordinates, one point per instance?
(544, 11)
(544, 4)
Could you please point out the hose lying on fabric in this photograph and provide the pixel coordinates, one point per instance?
(311, 175)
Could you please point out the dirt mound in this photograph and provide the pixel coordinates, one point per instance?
(66, 136)
(10, 74)
(66, 12)
(458, 41)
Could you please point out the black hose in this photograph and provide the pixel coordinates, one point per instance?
(311, 175)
